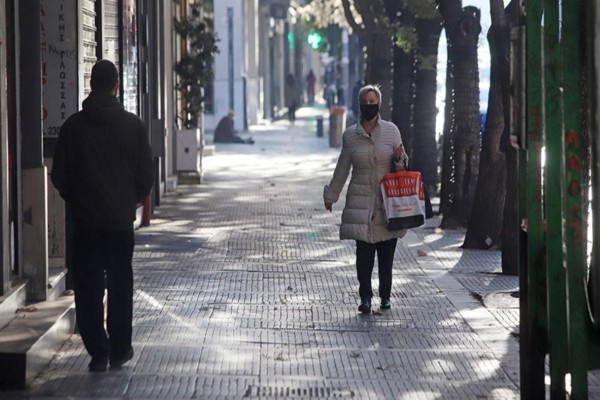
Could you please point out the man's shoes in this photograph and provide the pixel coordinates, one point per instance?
(98, 364)
(386, 304)
(117, 361)
(365, 305)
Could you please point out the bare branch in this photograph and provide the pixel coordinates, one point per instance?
(350, 18)
(364, 8)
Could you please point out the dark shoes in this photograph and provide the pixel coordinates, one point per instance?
(98, 364)
(386, 304)
(365, 305)
(117, 361)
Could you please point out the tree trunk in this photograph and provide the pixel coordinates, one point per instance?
(379, 68)
(402, 78)
(485, 224)
(463, 55)
(511, 223)
(379, 51)
(448, 165)
(450, 12)
(424, 150)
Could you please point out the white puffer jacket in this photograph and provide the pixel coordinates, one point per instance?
(370, 158)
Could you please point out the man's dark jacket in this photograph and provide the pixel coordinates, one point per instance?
(103, 164)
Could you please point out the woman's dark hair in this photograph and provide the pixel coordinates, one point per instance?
(104, 76)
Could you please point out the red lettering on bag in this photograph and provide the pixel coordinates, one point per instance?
(404, 183)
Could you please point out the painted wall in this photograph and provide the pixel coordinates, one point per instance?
(229, 63)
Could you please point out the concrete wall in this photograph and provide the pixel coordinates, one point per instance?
(4, 195)
(251, 62)
(169, 91)
(222, 102)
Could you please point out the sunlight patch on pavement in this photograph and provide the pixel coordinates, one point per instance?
(153, 302)
(420, 394)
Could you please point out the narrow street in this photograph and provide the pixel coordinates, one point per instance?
(243, 290)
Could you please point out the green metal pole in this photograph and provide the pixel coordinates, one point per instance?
(532, 275)
(592, 19)
(574, 218)
(553, 189)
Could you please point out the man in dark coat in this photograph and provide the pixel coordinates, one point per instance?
(103, 168)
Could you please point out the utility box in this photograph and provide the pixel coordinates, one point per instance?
(337, 124)
(190, 144)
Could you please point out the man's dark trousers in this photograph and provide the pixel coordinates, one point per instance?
(365, 259)
(102, 258)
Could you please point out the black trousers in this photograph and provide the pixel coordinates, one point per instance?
(102, 259)
(365, 259)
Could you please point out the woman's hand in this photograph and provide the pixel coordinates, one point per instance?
(401, 156)
(328, 206)
(399, 152)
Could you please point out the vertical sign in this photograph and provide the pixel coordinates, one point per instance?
(129, 57)
(230, 53)
(59, 63)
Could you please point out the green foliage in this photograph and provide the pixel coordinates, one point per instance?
(321, 13)
(195, 68)
(406, 38)
(423, 9)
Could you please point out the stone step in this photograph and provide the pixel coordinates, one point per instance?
(11, 301)
(32, 338)
(17, 295)
(57, 279)
(189, 178)
(208, 150)
(30, 334)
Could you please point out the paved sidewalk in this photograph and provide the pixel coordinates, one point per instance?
(243, 290)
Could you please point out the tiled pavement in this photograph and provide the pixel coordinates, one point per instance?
(243, 290)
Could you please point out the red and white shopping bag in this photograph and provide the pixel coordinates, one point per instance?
(403, 200)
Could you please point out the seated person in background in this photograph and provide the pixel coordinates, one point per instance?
(224, 132)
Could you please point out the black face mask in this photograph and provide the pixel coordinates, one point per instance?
(369, 111)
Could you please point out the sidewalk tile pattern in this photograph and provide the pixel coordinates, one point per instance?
(243, 290)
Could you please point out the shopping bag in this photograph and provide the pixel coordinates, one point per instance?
(403, 200)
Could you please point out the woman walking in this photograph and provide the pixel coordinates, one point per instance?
(370, 148)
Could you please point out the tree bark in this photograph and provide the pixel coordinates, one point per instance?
(450, 12)
(462, 54)
(424, 150)
(402, 77)
(485, 225)
(378, 38)
(379, 70)
(511, 223)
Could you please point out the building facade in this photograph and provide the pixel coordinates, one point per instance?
(47, 50)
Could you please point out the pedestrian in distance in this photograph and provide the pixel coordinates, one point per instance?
(290, 97)
(103, 169)
(370, 149)
(225, 133)
(311, 81)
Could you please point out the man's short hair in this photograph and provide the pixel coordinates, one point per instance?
(104, 76)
